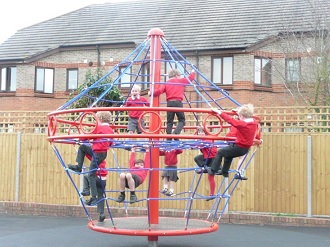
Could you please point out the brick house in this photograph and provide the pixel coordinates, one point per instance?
(236, 44)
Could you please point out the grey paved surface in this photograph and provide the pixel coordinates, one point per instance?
(36, 231)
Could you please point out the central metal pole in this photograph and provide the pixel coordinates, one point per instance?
(155, 55)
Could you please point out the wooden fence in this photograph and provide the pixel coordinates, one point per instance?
(302, 120)
(278, 175)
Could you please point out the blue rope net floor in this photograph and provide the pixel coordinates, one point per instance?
(71, 126)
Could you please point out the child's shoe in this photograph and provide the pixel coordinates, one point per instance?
(101, 217)
(210, 197)
(238, 175)
(121, 198)
(199, 171)
(164, 191)
(169, 193)
(91, 201)
(75, 168)
(133, 198)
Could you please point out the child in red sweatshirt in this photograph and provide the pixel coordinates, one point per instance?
(136, 100)
(174, 89)
(205, 160)
(134, 177)
(101, 182)
(170, 174)
(246, 131)
(98, 151)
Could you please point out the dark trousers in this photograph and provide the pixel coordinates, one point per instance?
(170, 118)
(97, 158)
(100, 186)
(201, 161)
(227, 153)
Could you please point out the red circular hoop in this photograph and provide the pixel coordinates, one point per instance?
(207, 130)
(70, 127)
(158, 127)
(81, 123)
(52, 123)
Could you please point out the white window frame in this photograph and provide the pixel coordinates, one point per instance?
(126, 79)
(8, 79)
(260, 71)
(44, 82)
(222, 70)
(72, 79)
(292, 69)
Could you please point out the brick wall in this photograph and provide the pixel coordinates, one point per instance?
(39, 209)
(243, 89)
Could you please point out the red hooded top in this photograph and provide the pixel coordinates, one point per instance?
(174, 87)
(136, 102)
(101, 146)
(246, 131)
(171, 158)
(232, 132)
(209, 154)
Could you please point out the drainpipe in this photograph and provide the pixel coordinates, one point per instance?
(197, 78)
(98, 59)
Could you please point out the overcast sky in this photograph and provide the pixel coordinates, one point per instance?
(18, 14)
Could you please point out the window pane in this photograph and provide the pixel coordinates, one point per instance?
(217, 70)
(49, 79)
(40, 80)
(227, 70)
(266, 72)
(293, 69)
(126, 78)
(13, 78)
(257, 66)
(145, 77)
(3, 79)
(72, 79)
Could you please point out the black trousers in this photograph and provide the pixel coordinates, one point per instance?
(97, 158)
(227, 153)
(100, 186)
(170, 118)
(201, 161)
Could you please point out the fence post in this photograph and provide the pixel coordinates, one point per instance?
(309, 176)
(18, 164)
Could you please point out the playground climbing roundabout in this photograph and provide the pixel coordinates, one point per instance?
(69, 125)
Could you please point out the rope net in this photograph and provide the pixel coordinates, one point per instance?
(148, 65)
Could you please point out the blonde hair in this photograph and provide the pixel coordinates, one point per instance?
(104, 116)
(174, 73)
(246, 110)
(137, 87)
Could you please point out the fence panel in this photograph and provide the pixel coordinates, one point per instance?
(8, 144)
(277, 175)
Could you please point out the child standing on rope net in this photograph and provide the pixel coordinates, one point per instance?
(170, 174)
(101, 182)
(246, 130)
(174, 90)
(98, 151)
(232, 133)
(134, 177)
(205, 160)
(136, 100)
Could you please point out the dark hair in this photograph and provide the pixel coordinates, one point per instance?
(138, 161)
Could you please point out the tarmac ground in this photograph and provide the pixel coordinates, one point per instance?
(44, 231)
